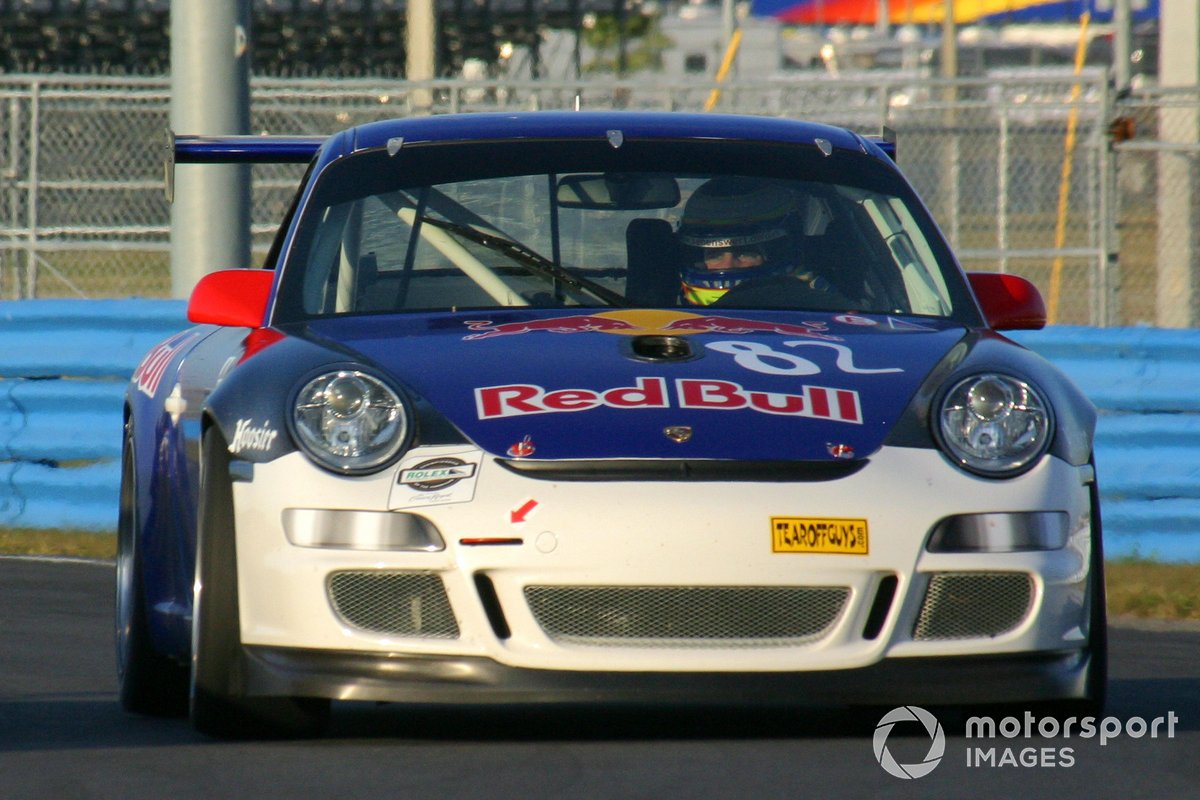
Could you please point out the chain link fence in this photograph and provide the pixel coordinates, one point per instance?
(1023, 172)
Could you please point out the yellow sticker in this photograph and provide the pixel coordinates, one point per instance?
(819, 535)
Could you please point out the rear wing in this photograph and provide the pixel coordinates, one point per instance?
(886, 140)
(235, 150)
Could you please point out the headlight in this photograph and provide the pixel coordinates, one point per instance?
(349, 421)
(994, 424)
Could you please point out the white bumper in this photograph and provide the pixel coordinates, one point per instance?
(514, 532)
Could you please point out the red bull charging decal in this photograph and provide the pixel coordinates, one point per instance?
(640, 322)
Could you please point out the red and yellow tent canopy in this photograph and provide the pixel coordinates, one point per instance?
(925, 12)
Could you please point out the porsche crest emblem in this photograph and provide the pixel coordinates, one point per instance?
(678, 433)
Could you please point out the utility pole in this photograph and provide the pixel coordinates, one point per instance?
(210, 94)
(1122, 35)
(420, 60)
(950, 149)
(1178, 186)
(949, 54)
(728, 24)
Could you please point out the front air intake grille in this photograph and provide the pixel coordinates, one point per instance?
(703, 616)
(395, 603)
(969, 605)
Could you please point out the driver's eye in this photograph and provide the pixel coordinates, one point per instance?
(737, 254)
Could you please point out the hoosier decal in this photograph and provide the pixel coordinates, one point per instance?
(247, 436)
(818, 402)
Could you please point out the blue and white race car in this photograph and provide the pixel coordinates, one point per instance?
(602, 407)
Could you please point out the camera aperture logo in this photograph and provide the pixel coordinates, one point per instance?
(937, 743)
(989, 742)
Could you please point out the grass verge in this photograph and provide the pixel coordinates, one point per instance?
(79, 544)
(1136, 588)
(1153, 591)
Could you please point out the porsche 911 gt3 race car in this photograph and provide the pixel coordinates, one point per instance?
(602, 407)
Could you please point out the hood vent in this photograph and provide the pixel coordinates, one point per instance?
(661, 348)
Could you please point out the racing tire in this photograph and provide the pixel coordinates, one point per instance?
(219, 704)
(148, 682)
(1092, 705)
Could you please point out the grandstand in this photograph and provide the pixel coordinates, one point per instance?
(343, 38)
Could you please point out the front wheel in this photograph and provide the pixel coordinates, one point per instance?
(149, 683)
(219, 704)
(1097, 680)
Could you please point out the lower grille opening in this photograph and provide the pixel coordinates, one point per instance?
(884, 594)
(968, 605)
(393, 602)
(703, 616)
(491, 606)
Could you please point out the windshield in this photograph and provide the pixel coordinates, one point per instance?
(461, 227)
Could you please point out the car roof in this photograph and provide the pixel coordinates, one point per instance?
(588, 124)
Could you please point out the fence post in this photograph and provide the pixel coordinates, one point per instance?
(31, 194)
(12, 176)
(1106, 215)
(1002, 189)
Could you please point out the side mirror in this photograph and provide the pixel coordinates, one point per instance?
(1009, 302)
(235, 298)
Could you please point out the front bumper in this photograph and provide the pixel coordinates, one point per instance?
(491, 544)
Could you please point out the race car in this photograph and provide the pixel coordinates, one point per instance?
(620, 407)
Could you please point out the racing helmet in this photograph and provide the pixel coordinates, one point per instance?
(735, 229)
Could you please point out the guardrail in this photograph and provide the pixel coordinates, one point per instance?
(64, 365)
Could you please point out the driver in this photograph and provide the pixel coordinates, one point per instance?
(734, 229)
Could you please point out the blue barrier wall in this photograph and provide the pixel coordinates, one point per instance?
(64, 365)
(1145, 383)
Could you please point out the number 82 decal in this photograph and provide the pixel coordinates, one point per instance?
(761, 358)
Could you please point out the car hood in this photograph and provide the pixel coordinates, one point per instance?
(635, 384)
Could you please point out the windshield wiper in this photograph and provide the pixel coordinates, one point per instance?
(534, 261)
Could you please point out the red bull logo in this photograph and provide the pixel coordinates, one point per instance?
(583, 323)
(816, 402)
(150, 372)
(736, 325)
(640, 322)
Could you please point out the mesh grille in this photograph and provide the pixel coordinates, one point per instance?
(713, 616)
(973, 604)
(398, 603)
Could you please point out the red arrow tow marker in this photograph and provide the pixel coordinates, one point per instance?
(518, 514)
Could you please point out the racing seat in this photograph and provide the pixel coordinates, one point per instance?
(652, 277)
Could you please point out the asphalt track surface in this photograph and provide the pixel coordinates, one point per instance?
(63, 736)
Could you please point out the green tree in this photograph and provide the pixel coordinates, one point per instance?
(631, 43)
